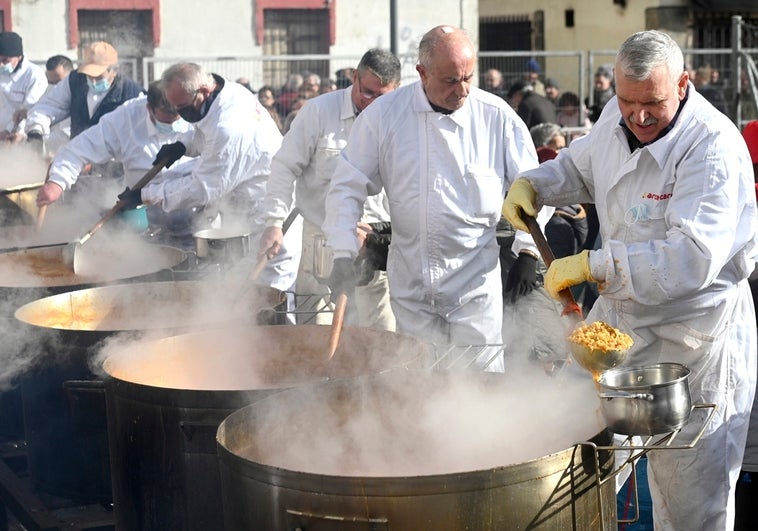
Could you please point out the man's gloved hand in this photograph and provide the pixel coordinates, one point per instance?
(130, 198)
(522, 277)
(566, 272)
(343, 279)
(170, 152)
(521, 199)
(34, 138)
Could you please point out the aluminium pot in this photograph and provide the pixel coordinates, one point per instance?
(65, 431)
(647, 400)
(446, 450)
(167, 397)
(225, 245)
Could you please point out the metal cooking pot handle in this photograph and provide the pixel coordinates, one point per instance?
(623, 394)
(84, 386)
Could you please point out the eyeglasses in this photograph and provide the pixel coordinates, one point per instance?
(368, 94)
(190, 104)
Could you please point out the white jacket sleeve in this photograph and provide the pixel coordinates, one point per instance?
(51, 108)
(98, 144)
(295, 154)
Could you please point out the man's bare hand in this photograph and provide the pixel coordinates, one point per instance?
(271, 242)
(48, 194)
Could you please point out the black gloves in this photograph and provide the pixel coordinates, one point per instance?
(130, 198)
(34, 138)
(170, 152)
(343, 279)
(378, 244)
(522, 277)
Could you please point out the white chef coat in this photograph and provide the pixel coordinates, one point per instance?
(306, 161)
(304, 165)
(445, 177)
(20, 90)
(678, 228)
(235, 141)
(126, 135)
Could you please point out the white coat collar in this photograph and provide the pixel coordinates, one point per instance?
(347, 109)
(662, 148)
(421, 105)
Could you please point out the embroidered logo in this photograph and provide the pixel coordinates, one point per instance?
(656, 197)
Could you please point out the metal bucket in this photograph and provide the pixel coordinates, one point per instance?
(408, 450)
(223, 245)
(166, 398)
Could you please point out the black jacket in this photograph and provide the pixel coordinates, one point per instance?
(121, 90)
(535, 109)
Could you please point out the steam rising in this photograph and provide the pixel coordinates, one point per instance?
(417, 423)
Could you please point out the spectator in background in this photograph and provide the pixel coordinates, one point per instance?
(288, 94)
(571, 113)
(22, 84)
(532, 76)
(245, 82)
(549, 135)
(268, 100)
(311, 83)
(713, 94)
(344, 77)
(552, 90)
(328, 85)
(603, 91)
(494, 83)
(530, 106)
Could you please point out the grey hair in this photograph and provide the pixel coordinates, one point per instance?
(190, 76)
(644, 51)
(156, 98)
(383, 64)
(544, 132)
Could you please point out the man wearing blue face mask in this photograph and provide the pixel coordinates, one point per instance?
(22, 84)
(131, 135)
(90, 92)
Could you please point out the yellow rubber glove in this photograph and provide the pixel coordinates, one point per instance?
(566, 272)
(521, 198)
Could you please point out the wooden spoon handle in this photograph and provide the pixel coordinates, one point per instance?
(40, 218)
(337, 321)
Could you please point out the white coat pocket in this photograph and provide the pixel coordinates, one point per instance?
(484, 189)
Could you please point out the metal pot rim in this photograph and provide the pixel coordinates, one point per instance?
(605, 376)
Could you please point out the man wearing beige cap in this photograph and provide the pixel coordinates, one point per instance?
(88, 93)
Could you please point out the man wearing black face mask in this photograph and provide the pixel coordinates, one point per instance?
(93, 90)
(235, 139)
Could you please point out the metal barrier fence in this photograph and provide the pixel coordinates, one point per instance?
(573, 70)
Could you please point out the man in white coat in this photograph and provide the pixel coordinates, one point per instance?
(444, 152)
(305, 163)
(673, 184)
(22, 84)
(235, 138)
(132, 135)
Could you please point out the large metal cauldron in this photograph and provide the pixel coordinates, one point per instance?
(407, 450)
(66, 433)
(166, 398)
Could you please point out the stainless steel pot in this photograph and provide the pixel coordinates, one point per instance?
(223, 245)
(645, 400)
(447, 451)
(66, 449)
(166, 398)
